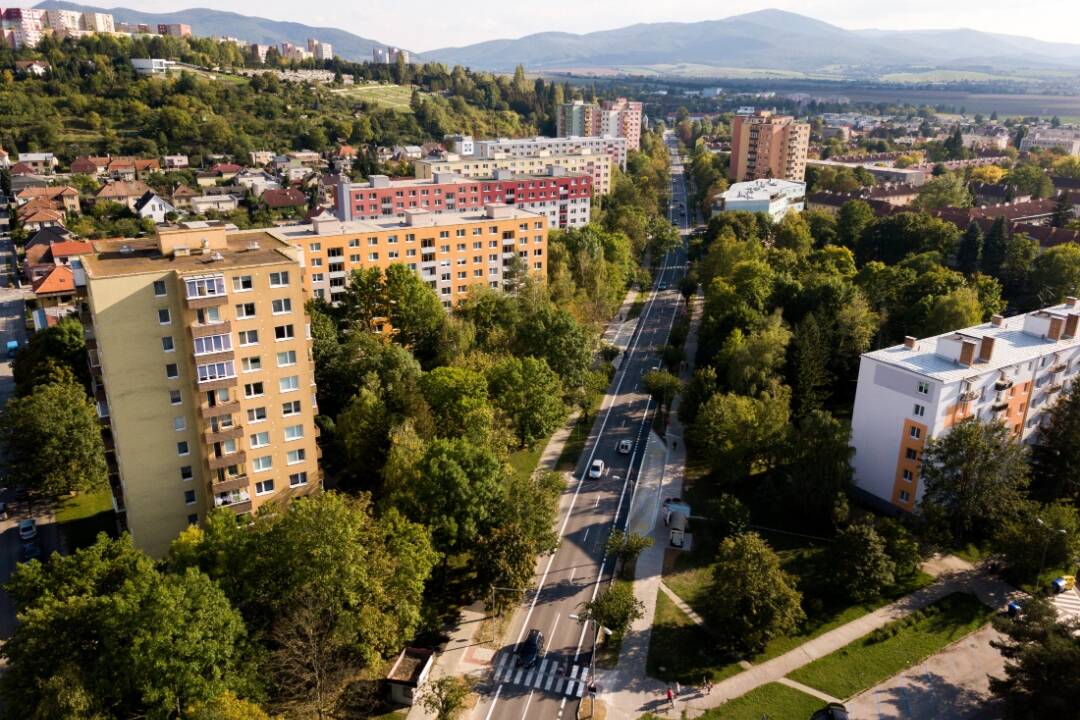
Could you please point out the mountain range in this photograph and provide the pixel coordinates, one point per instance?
(205, 22)
(763, 40)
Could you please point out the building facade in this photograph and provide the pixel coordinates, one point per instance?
(1067, 139)
(451, 252)
(596, 165)
(1009, 370)
(564, 199)
(174, 29)
(764, 145)
(543, 146)
(613, 118)
(776, 198)
(202, 373)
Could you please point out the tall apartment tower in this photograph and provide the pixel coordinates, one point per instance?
(1009, 370)
(202, 373)
(764, 145)
(613, 118)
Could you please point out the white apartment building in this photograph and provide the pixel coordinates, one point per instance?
(598, 165)
(539, 146)
(152, 66)
(774, 197)
(1009, 370)
(98, 22)
(1068, 139)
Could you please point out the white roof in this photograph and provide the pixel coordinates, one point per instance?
(763, 190)
(1012, 345)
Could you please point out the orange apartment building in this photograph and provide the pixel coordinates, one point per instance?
(764, 145)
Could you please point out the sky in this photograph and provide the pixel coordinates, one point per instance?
(428, 24)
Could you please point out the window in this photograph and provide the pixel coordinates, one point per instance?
(228, 447)
(923, 387)
(296, 456)
(245, 310)
(179, 423)
(296, 479)
(159, 288)
(256, 415)
(279, 279)
(908, 476)
(262, 464)
(290, 408)
(249, 337)
(186, 473)
(193, 519)
(171, 371)
(208, 316)
(167, 344)
(182, 448)
(905, 496)
(210, 372)
(254, 389)
(316, 247)
(251, 364)
(213, 344)
(283, 332)
(288, 384)
(916, 433)
(201, 287)
(189, 497)
(294, 432)
(242, 283)
(163, 317)
(920, 410)
(260, 439)
(175, 398)
(911, 454)
(264, 486)
(281, 306)
(284, 359)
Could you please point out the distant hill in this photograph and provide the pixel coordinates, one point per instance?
(770, 39)
(205, 23)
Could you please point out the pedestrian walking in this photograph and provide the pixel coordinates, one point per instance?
(670, 698)
(678, 688)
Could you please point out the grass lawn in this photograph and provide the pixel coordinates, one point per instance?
(899, 645)
(395, 97)
(82, 517)
(523, 462)
(773, 701)
(680, 650)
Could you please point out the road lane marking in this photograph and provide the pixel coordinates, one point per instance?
(585, 536)
(597, 501)
(494, 700)
(572, 571)
(527, 703)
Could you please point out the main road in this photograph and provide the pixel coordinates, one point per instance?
(578, 570)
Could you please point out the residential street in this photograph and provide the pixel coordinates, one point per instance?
(575, 573)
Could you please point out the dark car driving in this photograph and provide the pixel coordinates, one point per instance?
(531, 650)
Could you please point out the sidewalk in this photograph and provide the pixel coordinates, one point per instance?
(464, 653)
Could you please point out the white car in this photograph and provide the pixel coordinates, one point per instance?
(596, 470)
(27, 529)
(625, 446)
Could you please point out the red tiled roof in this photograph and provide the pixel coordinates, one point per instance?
(84, 165)
(288, 197)
(222, 168)
(48, 193)
(60, 280)
(42, 214)
(68, 248)
(21, 168)
(123, 189)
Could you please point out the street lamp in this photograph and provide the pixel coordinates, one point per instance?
(1046, 545)
(587, 618)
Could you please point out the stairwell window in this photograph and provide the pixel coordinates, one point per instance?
(916, 433)
(923, 387)
(288, 384)
(920, 410)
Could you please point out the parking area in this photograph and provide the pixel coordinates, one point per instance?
(953, 684)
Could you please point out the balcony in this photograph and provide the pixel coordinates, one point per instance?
(1003, 384)
(1060, 367)
(227, 460)
(213, 411)
(206, 301)
(218, 328)
(969, 396)
(228, 485)
(1000, 406)
(238, 500)
(219, 384)
(1051, 389)
(213, 357)
(221, 434)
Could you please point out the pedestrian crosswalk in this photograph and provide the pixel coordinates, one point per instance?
(1067, 604)
(548, 674)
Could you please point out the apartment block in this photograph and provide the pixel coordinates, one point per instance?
(1009, 370)
(543, 146)
(202, 372)
(389, 55)
(96, 22)
(613, 118)
(565, 199)
(596, 165)
(764, 145)
(1067, 139)
(451, 252)
(23, 27)
(179, 30)
(776, 198)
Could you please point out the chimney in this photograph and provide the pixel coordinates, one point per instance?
(967, 353)
(986, 349)
(1070, 301)
(909, 342)
(1070, 325)
(1056, 326)
(997, 321)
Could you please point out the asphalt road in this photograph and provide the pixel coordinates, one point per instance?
(578, 570)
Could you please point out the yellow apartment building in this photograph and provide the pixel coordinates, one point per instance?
(451, 251)
(598, 165)
(202, 373)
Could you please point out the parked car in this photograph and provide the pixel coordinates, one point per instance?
(625, 446)
(27, 529)
(832, 711)
(12, 349)
(30, 551)
(596, 470)
(531, 650)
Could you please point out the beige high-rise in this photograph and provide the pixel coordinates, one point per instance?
(764, 145)
(200, 355)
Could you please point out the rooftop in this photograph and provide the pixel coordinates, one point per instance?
(330, 225)
(1015, 339)
(763, 189)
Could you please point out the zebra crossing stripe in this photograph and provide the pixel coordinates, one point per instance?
(500, 666)
(550, 682)
(529, 676)
(517, 676)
